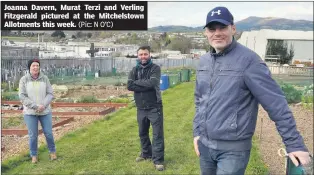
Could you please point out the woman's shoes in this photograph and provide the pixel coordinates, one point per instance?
(53, 156)
(34, 159)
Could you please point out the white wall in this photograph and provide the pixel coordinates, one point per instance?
(257, 41)
(303, 50)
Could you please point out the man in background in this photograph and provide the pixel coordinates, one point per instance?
(144, 80)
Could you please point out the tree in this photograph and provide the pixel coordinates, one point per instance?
(58, 33)
(5, 32)
(291, 52)
(165, 40)
(134, 37)
(79, 34)
(89, 35)
(182, 44)
(280, 48)
(206, 46)
(106, 34)
(155, 46)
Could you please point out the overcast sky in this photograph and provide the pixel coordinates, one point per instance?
(194, 14)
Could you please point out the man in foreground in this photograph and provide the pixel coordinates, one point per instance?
(231, 81)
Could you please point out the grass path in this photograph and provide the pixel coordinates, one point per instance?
(110, 146)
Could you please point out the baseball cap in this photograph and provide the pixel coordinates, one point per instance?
(219, 14)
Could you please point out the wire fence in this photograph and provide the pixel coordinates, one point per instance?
(98, 71)
(83, 71)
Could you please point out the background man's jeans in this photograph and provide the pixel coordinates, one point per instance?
(155, 118)
(222, 162)
(32, 126)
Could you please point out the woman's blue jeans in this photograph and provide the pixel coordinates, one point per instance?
(32, 126)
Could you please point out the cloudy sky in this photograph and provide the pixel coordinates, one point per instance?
(194, 14)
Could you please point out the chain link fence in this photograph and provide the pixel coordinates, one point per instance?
(83, 71)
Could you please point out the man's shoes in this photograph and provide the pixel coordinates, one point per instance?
(34, 159)
(53, 156)
(140, 158)
(159, 167)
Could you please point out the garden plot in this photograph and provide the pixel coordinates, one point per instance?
(15, 145)
(270, 141)
(82, 110)
(78, 114)
(16, 121)
(100, 92)
(15, 125)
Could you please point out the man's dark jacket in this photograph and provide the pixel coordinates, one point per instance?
(145, 82)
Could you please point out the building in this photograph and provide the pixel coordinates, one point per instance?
(79, 50)
(173, 54)
(6, 42)
(302, 42)
(196, 53)
(13, 52)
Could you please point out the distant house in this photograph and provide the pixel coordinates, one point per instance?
(6, 42)
(196, 53)
(302, 42)
(57, 54)
(79, 50)
(173, 54)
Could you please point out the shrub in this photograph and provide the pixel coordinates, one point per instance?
(292, 94)
(10, 96)
(4, 86)
(88, 99)
(119, 100)
(307, 97)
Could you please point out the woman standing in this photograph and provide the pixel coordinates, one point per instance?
(36, 94)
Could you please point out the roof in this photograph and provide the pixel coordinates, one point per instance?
(280, 34)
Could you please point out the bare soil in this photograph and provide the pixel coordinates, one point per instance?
(270, 140)
(100, 92)
(20, 124)
(15, 145)
(79, 109)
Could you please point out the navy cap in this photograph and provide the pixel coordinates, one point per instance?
(221, 15)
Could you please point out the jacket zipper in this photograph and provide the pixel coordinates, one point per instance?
(211, 77)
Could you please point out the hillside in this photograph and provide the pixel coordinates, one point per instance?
(250, 23)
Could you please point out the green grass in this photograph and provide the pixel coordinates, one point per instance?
(110, 146)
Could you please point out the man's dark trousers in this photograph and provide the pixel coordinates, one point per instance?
(155, 117)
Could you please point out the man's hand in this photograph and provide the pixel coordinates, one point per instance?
(304, 157)
(196, 145)
(41, 108)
